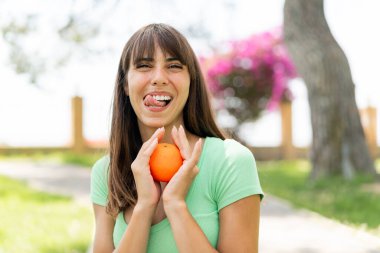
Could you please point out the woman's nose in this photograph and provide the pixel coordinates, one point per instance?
(159, 76)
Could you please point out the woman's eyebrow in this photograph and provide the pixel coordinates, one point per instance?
(144, 59)
(150, 59)
(172, 59)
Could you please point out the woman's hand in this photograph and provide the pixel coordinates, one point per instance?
(176, 190)
(148, 190)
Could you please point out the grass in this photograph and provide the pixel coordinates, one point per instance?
(334, 197)
(32, 221)
(345, 201)
(86, 159)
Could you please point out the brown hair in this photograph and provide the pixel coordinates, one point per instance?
(125, 139)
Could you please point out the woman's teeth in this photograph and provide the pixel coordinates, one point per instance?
(156, 101)
(161, 97)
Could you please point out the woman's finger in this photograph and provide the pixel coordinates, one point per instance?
(178, 143)
(157, 134)
(197, 151)
(190, 164)
(184, 142)
(175, 136)
(150, 148)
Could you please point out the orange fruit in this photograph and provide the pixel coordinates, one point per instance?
(165, 162)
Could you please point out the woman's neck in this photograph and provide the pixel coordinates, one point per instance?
(147, 132)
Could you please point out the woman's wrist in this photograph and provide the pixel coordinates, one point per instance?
(145, 208)
(174, 207)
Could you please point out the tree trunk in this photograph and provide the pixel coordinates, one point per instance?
(339, 146)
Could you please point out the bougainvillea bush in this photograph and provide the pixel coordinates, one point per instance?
(250, 75)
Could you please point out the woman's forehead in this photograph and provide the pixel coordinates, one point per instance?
(153, 53)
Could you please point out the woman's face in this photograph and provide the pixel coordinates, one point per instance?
(158, 89)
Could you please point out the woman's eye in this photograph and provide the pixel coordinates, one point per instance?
(175, 66)
(142, 65)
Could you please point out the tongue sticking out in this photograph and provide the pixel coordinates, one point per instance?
(150, 101)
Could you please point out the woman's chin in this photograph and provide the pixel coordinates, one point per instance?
(156, 123)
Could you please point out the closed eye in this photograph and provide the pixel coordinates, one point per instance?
(176, 66)
(142, 65)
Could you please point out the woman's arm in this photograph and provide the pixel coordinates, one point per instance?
(239, 226)
(135, 238)
(104, 224)
(239, 221)
(188, 235)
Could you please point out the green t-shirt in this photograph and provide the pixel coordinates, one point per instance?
(227, 173)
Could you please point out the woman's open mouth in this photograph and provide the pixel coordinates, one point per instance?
(157, 101)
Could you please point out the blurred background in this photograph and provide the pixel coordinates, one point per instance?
(54, 51)
(58, 63)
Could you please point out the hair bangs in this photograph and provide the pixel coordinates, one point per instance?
(171, 45)
(145, 45)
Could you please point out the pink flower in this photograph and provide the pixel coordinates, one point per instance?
(260, 63)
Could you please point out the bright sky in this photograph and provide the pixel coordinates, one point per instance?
(35, 116)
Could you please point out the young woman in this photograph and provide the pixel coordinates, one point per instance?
(212, 204)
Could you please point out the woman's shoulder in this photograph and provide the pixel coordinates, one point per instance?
(99, 185)
(227, 148)
(100, 166)
(103, 161)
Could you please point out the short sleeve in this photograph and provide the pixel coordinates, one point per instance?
(237, 177)
(99, 184)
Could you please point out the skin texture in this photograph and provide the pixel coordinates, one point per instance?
(239, 222)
